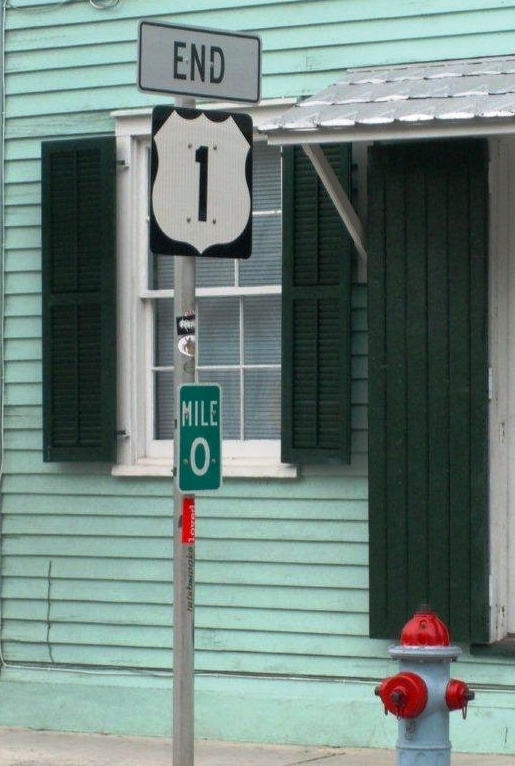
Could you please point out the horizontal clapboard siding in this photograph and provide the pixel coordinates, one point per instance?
(282, 567)
(93, 586)
(88, 57)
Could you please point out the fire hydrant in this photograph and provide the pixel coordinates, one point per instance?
(422, 694)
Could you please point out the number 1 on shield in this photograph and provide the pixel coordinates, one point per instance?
(201, 156)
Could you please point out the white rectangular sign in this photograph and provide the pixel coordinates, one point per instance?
(199, 62)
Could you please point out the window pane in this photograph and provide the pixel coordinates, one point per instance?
(215, 272)
(165, 330)
(232, 332)
(262, 329)
(218, 331)
(163, 425)
(266, 176)
(264, 265)
(262, 404)
(229, 380)
(162, 272)
(210, 272)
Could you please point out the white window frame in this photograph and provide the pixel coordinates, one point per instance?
(502, 387)
(138, 454)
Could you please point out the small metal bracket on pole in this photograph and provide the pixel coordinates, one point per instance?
(183, 546)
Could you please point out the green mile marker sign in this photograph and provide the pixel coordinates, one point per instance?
(199, 466)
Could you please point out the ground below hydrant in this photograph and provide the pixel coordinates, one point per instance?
(422, 694)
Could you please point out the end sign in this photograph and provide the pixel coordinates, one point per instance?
(199, 462)
(205, 63)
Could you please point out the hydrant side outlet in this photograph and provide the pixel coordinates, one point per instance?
(404, 695)
(458, 695)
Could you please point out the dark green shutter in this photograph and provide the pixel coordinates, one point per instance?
(78, 267)
(316, 314)
(428, 397)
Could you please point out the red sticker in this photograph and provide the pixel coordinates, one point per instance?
(188, 520)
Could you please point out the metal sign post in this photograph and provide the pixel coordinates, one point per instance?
(201, 205)
(183, 552)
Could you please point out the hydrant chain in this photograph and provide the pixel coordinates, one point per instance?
(458, 695)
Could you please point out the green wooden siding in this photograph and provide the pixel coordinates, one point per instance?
(428, 401)
(300, 58)
(96, 588)
(282, 566)
(87, 569)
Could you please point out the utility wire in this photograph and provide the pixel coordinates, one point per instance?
(100, 5)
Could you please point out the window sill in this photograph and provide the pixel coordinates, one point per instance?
(235, 468)
(503, 648)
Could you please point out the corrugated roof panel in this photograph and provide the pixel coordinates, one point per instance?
(471, 89)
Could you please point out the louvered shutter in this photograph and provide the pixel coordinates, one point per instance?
(78, 267)
(317, 256)
(428, 243)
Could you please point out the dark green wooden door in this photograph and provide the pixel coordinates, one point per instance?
(427, 241)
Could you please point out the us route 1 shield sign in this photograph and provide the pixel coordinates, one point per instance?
(201, 183)
(199, 463)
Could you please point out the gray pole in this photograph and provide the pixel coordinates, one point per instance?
(183, 553)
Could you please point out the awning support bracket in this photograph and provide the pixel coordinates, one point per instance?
(339, 197)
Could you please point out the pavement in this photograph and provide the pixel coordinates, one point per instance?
(26, 747)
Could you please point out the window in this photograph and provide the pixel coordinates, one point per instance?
(238, 324)
(502, 364)
(280, 351)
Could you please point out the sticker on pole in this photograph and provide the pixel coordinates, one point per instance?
(188, 521)
(199, 462)
(201, 183)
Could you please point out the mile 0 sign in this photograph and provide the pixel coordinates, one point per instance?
(201, 183)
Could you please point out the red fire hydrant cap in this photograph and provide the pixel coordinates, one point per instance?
(458, 695)
(425, 629)
(404, 695)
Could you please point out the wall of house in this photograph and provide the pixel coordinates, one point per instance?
(282, 653)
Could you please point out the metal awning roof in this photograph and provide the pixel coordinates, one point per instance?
(442, 98)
